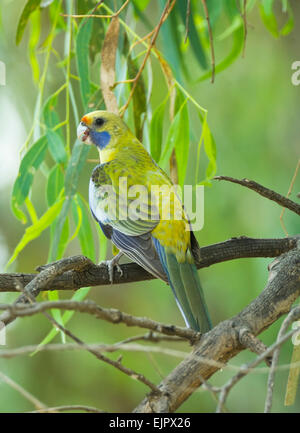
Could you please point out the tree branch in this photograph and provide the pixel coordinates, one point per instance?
(111, 315)
(265, 192)
(223, 343)
(93, 275)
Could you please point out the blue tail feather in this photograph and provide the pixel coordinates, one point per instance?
(185, 283)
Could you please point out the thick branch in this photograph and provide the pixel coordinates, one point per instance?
(222, 343)
(93, 275)
(265, 192)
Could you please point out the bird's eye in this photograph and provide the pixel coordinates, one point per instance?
(99, 121)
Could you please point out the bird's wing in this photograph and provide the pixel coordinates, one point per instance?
(111, 204)
(131, 236)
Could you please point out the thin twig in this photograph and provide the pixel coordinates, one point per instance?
(292, 316)
(37, 403)
(222, 343)
(98, 16)
(70, 407)
(105, 348)
(248, 368)
(167, 10)
(109, 314)
(265, 192)
(211, 41)
(44, 278)
(288, 194)
(117, 364)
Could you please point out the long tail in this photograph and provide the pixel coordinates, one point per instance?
(186, 286)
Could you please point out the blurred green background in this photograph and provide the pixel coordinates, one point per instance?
(254, 117)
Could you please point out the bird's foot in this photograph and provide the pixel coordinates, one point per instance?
(111, 264)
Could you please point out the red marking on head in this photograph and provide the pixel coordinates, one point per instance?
(85, 120)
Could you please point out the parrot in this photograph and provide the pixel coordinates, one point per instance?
(164, 245)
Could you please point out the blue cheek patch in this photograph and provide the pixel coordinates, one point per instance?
(100, 139)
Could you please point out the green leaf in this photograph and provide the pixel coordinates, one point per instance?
(141, 4)
(75, 165)
(56, 146)
(63, 241)
(29, 8)
(236, 28)
(182, 143)
(85, 234)
(175, 134)
(55, 312)
(55, 184)
(268, 17)
(210, 150)
(29, 164)
(156, 131)
(171, 42)
(50, 115)
(82, 57)
(32, 232)
(289, 25)
(33, 44)
(64, 238)
(193, 35)
(31, 210)
(139, 97)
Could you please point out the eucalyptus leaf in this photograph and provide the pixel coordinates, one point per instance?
(82, 56)
(32, 232)
(175, 134)
(156, 131)
(29, 8)
(29, 164)
(56, 146)
(55, 184)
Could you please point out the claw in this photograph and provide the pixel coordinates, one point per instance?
(111, 264)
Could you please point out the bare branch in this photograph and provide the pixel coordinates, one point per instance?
(265, 192)
(288, 194)
(248, 368)
(222, 342)
(292, 316)
(70, 407)
(44, 278)
(109, 314)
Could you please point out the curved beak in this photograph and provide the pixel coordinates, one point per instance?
(83, 133)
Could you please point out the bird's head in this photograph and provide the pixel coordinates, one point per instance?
(101, 128)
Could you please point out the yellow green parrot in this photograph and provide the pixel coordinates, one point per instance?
(161, 244)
